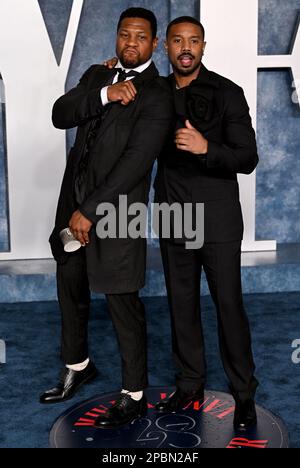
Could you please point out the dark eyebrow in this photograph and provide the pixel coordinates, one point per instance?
(138, 30)
(192, 37)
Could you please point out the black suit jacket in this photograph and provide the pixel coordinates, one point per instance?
(120, 163)
(218, 109)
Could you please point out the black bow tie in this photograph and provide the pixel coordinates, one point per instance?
(123, 75)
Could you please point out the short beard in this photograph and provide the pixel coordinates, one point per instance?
(132, 64)
(190, 71)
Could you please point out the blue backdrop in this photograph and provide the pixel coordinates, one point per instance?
(278, 175)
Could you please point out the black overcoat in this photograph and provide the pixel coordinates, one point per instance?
(120, 163)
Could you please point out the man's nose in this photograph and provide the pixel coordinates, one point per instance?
(186, 47)
(131, 41)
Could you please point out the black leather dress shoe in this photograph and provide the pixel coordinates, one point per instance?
(70, 381)
(179, 400)
(245, 415)
(124, 411)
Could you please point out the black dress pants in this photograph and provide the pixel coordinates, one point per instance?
(222, 266)
(127, 313)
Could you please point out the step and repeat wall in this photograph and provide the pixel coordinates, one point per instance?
(46, 45)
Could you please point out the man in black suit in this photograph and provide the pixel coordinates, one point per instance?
(122, 127)
(214, 142)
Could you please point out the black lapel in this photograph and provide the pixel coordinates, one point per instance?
(207, 78)
(148, 75)
(100, 77)
(117, 109)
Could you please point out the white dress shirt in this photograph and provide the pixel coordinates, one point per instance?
(139, 69)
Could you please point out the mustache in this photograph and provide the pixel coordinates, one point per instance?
(186, 54)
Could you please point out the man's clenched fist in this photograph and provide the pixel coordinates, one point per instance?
(124, 92)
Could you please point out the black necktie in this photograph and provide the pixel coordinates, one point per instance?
(123, 75)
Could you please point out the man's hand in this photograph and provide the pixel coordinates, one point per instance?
(111, 63)
(125, 92)
(80, 226)
(189, 139)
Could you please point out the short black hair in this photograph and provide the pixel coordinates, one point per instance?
(186, 19)
(140, 13)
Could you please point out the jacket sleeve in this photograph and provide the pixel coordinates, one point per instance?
(147, 138)
(77, 106)
(238, 154)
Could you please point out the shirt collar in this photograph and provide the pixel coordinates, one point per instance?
(139, 69)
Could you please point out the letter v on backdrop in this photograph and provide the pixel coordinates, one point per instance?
(35, 150)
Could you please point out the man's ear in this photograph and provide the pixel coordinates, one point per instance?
(155, 43)
(204, 46)
(166, 47)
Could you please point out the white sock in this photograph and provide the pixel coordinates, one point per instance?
(136, 396)
(79, 367)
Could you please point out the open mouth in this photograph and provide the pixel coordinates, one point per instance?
(186, 60)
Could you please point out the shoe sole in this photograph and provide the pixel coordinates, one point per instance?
(84, 382)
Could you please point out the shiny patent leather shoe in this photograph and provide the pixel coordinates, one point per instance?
(179, 400)
(69, 383)
(123, 412)
(245, 416)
